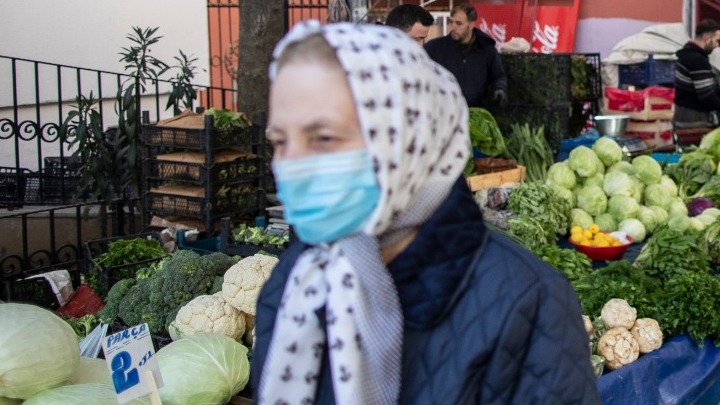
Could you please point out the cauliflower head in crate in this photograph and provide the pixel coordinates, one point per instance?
(243, 281)
(208, 313)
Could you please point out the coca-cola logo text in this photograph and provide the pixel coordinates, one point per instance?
(545, 40)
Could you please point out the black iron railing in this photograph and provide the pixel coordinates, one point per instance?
(35, 100)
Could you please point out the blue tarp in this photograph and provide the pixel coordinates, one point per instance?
(680, 372)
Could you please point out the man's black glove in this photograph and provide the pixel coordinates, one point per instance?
(500, 97)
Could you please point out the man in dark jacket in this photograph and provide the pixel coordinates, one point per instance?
(697, 94)
(471, 56)
(413, 19)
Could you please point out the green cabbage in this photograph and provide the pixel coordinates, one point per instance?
(607, 150)
(596, 179)
(38, 350)
(714, 212)
(580, 218)
(696, 224)
(91, 371)
(660, 213)
(711, 142)
(623, 166)
(623, 207)
(638, 187)
(564, 193)
(559, 174)
(706, 219)
(677, 207)
(606, 222)
(592, 199)
(583, 161)
(648, 169)
(9, 401)
(657, 194)
(618, 183)
(82, 394)
(634, 228)
(668, 183)
(679, 223)
(648, 217)
(204, 368)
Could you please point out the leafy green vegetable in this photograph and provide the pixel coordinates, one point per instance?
(538, 200)
(692, 171)
(669, 252)
(690, 303)
(607, 150)
(647, 169)
(529, 148)
(619, 279)
(592, 199)
(485, 134)
(561, 175)
(573, 264)
(256, 235)
(123, 252)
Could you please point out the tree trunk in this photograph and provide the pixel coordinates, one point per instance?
(262, 24)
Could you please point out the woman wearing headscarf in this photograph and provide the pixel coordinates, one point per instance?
(397, 292)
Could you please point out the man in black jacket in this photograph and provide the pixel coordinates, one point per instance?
(697, 94)
(471, 56)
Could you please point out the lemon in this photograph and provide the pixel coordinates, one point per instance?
(576, 237)
(575, 229)
(594, 228)
(588, 235)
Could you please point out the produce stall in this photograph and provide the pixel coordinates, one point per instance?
(637, 234)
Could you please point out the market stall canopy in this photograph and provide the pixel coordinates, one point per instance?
(661, 40)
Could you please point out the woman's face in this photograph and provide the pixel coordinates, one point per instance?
(312, 111)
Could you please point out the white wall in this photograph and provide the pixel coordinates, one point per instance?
(88, 34)
(91, 33)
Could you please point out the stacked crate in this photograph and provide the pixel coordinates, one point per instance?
(651, 111)
(195, 174)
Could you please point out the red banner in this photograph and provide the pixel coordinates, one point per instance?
(555, 27)
(548, 28)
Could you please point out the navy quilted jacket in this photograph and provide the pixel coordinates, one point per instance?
(486, 321)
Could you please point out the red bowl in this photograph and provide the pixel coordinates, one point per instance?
(603, 253)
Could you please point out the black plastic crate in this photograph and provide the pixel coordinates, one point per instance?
(36, 290)
(207, 138)
(648, 73)
(240, 198)
(537, 78)
(12, 186)
(586, 84)
(231, 248)
(61, 166)
(555, 119)
(109, 275)
(241, 168)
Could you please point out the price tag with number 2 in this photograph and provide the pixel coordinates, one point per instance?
(130, 356)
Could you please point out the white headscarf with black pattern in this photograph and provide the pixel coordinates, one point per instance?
(414, 120)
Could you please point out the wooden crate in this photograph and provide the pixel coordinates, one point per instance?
(489, 180)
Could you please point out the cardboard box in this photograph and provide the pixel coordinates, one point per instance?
(496, 179)
(654, 134)
(652, 103)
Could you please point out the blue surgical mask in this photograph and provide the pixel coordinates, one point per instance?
(327, 196)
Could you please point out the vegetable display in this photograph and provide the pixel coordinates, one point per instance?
(82, 394)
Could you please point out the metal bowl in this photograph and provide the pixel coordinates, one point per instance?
(612, 125)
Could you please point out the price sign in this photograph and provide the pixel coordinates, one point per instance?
(130, 356)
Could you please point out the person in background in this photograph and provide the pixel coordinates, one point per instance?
(414, 20)
(697, 94)
(396, 291)
(471, 56)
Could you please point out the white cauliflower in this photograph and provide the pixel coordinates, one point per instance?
(618, 347)
(618, 313)
(648, 334)
(208, 313)
(242, 282)
(588, 325)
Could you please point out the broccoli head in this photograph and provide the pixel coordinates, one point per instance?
(115, 295)
(135, 308)
(220, 262)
